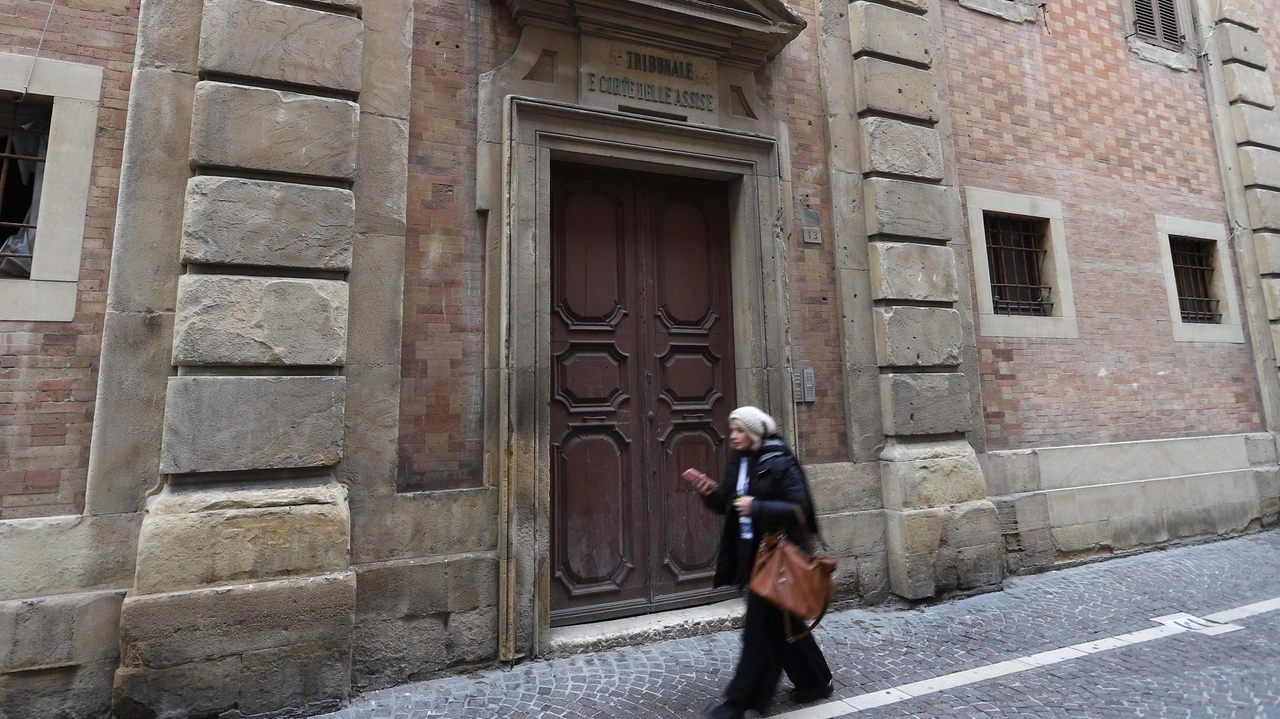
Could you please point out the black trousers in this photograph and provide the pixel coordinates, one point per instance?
(766, 654)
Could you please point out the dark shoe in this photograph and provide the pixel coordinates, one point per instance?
(723, 711)
(812, 695)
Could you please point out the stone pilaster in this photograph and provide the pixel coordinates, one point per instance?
(897, 212)
(1247, 131)
(243, 236)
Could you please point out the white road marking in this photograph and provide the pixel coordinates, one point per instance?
(1170, 625)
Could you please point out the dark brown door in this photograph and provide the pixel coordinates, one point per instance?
(641, 387)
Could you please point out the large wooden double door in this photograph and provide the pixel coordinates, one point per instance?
(642, 383)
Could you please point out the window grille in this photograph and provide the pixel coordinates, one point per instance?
(24, 143)
(1156, 21)
(1015, 255)
(1193, 273)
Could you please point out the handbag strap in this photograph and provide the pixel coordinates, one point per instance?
(814, 538)
(786, 625)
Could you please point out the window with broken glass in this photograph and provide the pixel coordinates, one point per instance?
(1015, 255)
(1193, 275)
(25, 129)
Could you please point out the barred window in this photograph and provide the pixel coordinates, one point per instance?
(25, 130)
(1156, 21)
(1016, 251)
(1193, 274)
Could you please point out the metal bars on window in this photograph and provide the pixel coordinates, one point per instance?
(1193, 275)
(1156, 21)
(1015, 255)
(24, 127)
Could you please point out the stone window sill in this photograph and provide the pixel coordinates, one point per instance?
(1011, 10)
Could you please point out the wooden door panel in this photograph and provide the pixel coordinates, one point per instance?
(590, 269)
(590, 377)
(690, 534)
(685, 282)
(690, 378)
(595, 549)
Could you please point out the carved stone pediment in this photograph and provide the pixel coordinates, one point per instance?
(743, 33)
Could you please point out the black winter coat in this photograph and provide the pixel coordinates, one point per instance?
(777, 485)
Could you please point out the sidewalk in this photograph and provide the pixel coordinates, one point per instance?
(1078, 642)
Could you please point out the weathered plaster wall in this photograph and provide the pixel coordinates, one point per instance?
(1075, 116)
(49, 371)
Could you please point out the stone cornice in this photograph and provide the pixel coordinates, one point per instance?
(746, 35)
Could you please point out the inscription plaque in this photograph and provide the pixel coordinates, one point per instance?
(632, 76)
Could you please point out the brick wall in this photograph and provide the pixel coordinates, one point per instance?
(1075, 116)
(442, 394)
(48, 371)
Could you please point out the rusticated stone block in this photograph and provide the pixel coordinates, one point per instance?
(881, 30)
(1087, 539)
(1260, 448)
(197, 538)
(970, 567)
(899, 148)
(383, 176)
(935, 474)
(883, 86)
(1240, 45)
(918, 336)
(388, 45)
(385, 653)
(67, 554)
(233, 221)
(845, 486)
(1267, 248)
(902, 271)
(223, 424)
(167, 630)
(286, 43)
(1260, 166)
(1264, 209)
(169, 35)
(308, 678)
(59, 631)
(1240, 12)
(933, 403)
(1271, 293)
(421, 587)
(255, 128)
(1010, 471)
(971, 524)
(1256, 126)
(204, 688)
(238, 320)
(909, 209)
(1248, 84)
(473, 635)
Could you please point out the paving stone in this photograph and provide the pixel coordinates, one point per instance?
(1189, 675)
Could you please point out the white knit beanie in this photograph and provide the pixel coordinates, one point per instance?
(755, 421)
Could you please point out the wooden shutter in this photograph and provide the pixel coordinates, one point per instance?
(1156, 21)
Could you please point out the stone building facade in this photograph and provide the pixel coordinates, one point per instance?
(363, 339)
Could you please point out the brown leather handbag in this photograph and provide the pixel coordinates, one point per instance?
(798, 583)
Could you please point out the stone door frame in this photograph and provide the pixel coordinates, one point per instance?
(518, 306)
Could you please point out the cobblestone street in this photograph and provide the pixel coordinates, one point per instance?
(1179, 667)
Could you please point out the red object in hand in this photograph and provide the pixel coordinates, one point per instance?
(702, 484)
(692, 475)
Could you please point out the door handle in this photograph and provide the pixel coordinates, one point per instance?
(649, 416)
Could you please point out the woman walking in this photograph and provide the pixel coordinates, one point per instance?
(761, 488)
